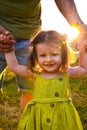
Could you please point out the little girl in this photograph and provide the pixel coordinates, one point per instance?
(51, 107)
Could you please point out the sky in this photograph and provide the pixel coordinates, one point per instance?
(53, 19)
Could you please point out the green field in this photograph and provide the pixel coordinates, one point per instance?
(10, 98)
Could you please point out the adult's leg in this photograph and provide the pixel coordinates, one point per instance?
(25, 98)
(22, 53)
(2, 67)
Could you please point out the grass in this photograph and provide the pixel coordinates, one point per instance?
(10, 98)
(9, 103)
(79, 96)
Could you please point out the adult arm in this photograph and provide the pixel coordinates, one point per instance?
(69, 11)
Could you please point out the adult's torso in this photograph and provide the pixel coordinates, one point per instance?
(21, 17)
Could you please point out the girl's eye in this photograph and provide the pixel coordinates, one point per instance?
(55, 54)
(43, 55)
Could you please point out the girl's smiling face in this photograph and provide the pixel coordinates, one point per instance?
(49, 57)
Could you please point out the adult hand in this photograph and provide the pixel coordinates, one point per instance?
(7, 46)
(6, 40)
(82, 35)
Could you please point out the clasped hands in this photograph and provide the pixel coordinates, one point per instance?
(7, 40)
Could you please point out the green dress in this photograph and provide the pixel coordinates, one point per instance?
(51, 107)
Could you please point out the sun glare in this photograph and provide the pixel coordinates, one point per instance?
(52, 19)
(73, 33)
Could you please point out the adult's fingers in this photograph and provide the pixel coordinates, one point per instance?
(7, 47)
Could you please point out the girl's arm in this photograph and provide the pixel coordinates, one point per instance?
(81, 69)
(13, 65)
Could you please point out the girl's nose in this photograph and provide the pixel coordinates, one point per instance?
(48, 58)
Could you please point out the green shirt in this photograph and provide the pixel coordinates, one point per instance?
(21, 17)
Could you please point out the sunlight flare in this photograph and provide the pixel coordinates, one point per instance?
(73, 33)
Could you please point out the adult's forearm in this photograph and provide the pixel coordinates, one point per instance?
(69, 11)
